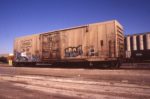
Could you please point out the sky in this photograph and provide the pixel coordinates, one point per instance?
(25, 17)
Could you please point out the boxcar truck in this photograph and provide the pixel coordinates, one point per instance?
(95, 44)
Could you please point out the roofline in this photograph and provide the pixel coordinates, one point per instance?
(64, 29)
(135, 34)
(80, 26)
(103, 22)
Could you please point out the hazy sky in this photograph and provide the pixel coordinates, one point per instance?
(25, 17)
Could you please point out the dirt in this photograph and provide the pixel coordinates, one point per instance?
(63, 83)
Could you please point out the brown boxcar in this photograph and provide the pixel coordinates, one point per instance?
(93, 43)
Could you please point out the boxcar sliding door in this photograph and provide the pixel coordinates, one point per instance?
(50, 46)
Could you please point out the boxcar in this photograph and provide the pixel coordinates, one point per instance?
(137, 46)
(93, 43)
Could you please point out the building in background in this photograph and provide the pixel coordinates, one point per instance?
(6, 58)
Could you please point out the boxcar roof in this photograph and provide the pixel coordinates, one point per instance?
(104, 22)
(81, 26)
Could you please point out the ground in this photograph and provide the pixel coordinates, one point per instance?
(129, 82)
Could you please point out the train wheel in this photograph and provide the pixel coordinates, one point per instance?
(112, 65)
(15, 64)
(118, 64)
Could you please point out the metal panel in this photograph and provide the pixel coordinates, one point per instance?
(119, 43)
(73, 43)
(128, 46)
(111, 38)
(141, 42)
(50, 43)
(128, 43)
(134, 43)
(148, 41)
(26, 49)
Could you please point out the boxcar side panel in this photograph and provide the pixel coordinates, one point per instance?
(73, 43)
(95, 42)
(27, 49)
(102, 37)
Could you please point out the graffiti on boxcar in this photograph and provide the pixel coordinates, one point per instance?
(25, 53)
(90, 51)
(26, 56)
(26, 44)
(73, 51)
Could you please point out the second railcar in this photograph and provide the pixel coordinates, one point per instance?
(93, 43)
(137, 46)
